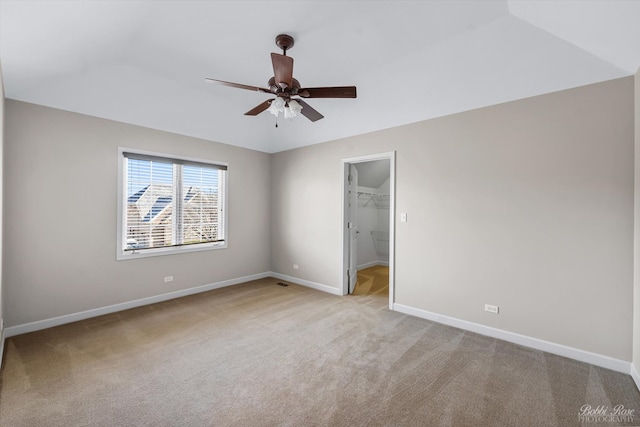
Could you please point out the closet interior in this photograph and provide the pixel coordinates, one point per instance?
(373, 213)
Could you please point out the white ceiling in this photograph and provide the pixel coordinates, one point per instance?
(374, 173)
(144, 62)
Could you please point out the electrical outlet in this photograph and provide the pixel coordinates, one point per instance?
(168, 279)
(491, 308)
(295, 266)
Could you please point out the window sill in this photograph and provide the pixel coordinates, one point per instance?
(146, 253)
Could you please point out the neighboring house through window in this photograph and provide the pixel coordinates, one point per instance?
(169, 204)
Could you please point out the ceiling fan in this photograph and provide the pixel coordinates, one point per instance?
(287, 89)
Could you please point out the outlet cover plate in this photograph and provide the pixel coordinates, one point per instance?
(492, 308)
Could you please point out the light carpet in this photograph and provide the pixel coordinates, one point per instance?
(260, 354)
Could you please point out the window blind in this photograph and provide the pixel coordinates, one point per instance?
(172, 202)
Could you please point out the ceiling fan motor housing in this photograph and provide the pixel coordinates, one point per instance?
(286, 92)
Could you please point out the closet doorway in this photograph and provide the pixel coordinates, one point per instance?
(368, 226)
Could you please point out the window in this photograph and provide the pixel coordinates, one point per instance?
(169, 204)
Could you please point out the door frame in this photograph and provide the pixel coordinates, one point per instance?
(344, 212)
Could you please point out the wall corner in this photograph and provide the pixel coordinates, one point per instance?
(635, 361)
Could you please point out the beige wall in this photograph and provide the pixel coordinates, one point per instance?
(60, 211)
(636, 257)
(527, 205)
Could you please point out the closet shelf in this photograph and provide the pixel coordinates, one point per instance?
(378, 199)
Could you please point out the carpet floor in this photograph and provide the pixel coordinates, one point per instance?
(260, 354)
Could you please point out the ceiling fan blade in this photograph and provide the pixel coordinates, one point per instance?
(238, 85)
(282, 69)
(259, 108)
(328, 92)
(309, 112)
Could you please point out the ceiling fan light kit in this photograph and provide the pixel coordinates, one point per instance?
(290, 109)
(285, 88)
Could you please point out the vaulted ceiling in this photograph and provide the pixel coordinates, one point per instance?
(145, 62)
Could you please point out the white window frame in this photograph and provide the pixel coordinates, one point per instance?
(121, 254)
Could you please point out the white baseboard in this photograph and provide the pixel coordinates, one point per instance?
(367, 265)
(372, 264)
(307, 283)
(549, 347)
(635, 375)
(74, 317)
